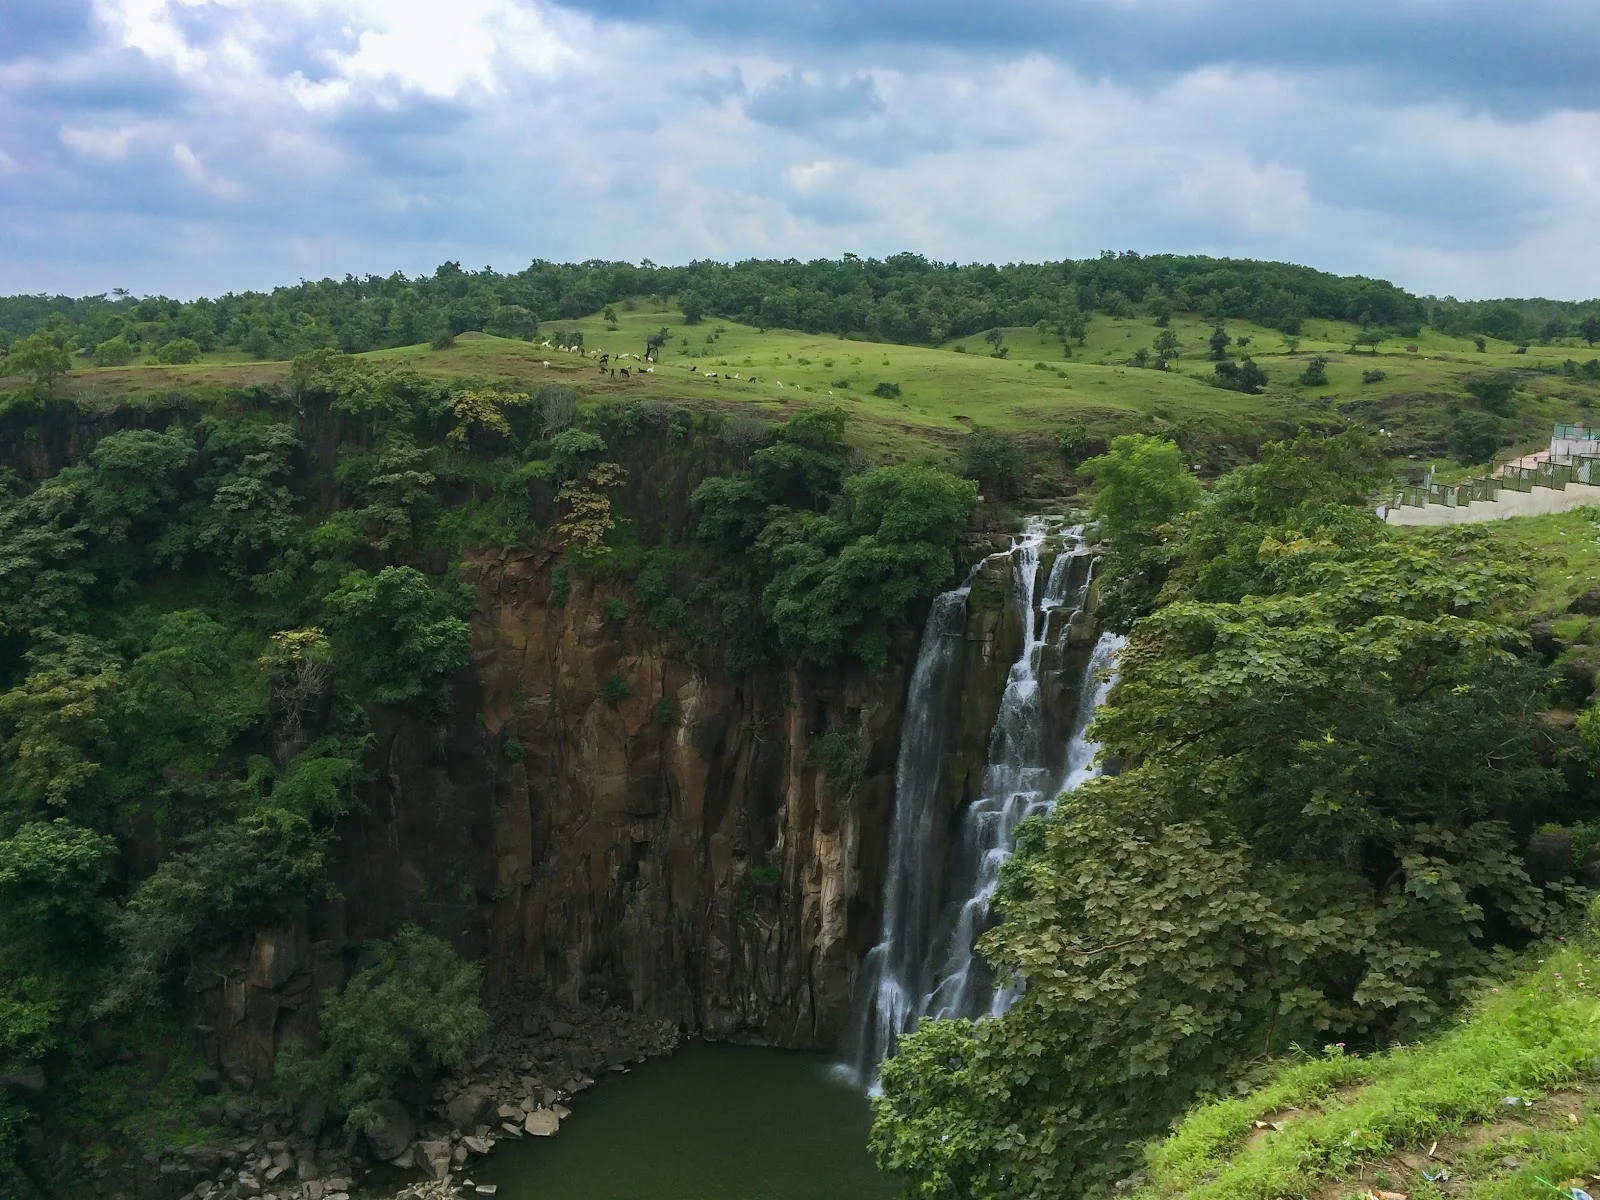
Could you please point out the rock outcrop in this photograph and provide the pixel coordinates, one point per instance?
(666, 841)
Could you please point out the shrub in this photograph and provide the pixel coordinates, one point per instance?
(1316, 372)
(1073, 441)
(560, 585)
(887, 390)
(1243, 376)
(511, 749)
(1494, 393)
(994, 460)
(396, 1024)
(1374, 376)
(114, 352)
(615, 609)
(1474, 437)
(665, 711)
(615, 689)
(443, 339)
(841, 756)
(178, 352)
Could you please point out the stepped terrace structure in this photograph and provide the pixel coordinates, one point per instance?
(1565, 476)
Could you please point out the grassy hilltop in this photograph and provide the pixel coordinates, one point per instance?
(937, 394)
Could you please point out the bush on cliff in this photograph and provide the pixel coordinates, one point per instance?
(411, 1014)
(836, 561)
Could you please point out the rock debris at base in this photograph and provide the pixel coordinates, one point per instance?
(517, 1086)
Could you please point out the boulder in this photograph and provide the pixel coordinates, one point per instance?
(471, 1107)
(1590, 871)
(207, 1082)
(436, 1157)
(1588, 604)
(1549, 856)
(477, 1145)
(392, 1130)
(542, 1123)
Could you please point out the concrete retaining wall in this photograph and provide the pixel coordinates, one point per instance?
(1539, 501)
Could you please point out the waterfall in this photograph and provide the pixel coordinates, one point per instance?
(924, 964)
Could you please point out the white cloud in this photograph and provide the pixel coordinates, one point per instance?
(383, 134)
(100, 143)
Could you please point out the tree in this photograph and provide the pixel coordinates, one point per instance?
(1316, 372)
(610, 317)
(396, 634)
(1588, 328)
(1141, 357)
(40, 359)
(1219, 342)
(513, 321)
(1158, 305)
(837, 583)
(994, 460)
(1143, 484)
(413, 1013)
(1166, 346)
(1474, 437)
(1371, 338)
(653, 344)
(1245, 376)
(693, 306)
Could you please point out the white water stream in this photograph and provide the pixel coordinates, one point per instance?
(937, 896)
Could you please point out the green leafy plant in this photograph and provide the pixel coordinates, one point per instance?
(615, 689)
(395, 1025)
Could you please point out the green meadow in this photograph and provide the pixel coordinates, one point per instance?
(1033, 386)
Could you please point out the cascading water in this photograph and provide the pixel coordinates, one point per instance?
(924, 963)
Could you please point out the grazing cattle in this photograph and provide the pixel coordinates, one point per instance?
(624, 372)
(547, 362)
(604, 359)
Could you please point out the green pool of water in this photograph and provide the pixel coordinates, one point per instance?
(709, 1123)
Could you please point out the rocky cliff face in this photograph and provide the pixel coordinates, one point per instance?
(667, 842)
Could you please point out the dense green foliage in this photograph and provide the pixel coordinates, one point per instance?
(411, 1014)
(210, 605)
(1331, 751)
(904, 298)
(835, 560)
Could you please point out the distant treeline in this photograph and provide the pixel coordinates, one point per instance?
(904, 298)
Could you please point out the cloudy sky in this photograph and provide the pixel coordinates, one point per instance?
(196, 146)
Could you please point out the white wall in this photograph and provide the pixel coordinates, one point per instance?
(1511, 504)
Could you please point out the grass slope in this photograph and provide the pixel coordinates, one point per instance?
(1428, 1121)
(946, 391)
